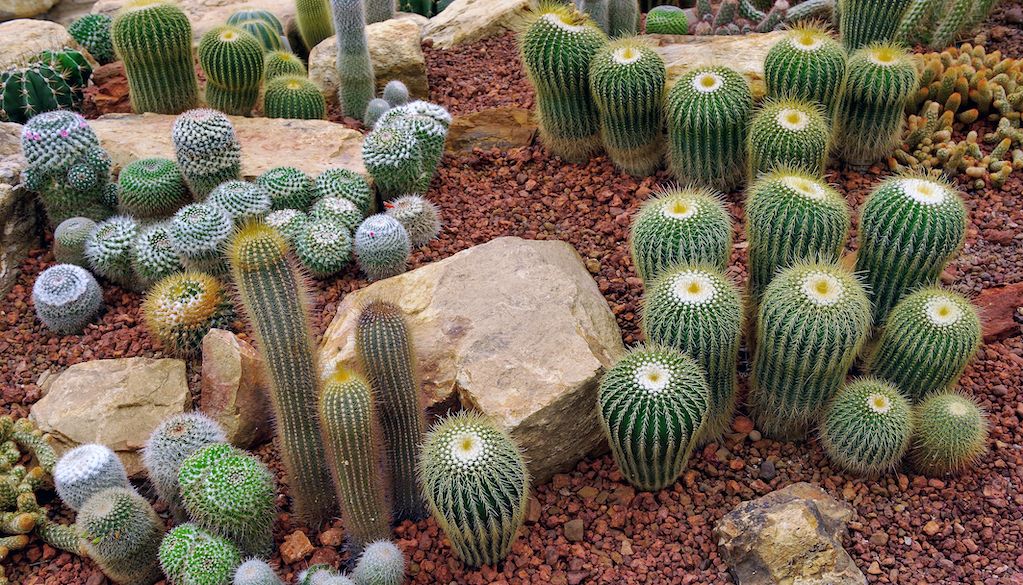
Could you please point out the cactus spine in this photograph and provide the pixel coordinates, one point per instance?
(66, 297)
(121, 532)
(173, 441)
(312, 17)
(294, 97)
(355, 70)
(808, 65)
(788, 134)
(85, 471)
(950, 435)
(867, 427)
(863, 22)
(233, 62)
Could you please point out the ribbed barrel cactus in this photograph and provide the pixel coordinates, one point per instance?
(667, 20)
(66, 298)
(863, 22)
(85, 471)
(788, 134)
(152, 188)
(233, 62)
(295, 97)
(324, 246)
(32, 89)
(263, 25)
(950, 433)
(108, 249)
(867, 426)
(281, 63)
(153, 257)
(207, 149)
(180, 309)
(173, 441)
(808, 64)
(121, 533)
(289, 188)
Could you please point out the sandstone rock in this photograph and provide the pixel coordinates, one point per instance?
(67, 11)
(513, 328)
(108, 92)
(744, 53)
(208, 14)
(23, 39)
(115, 402)
(296, 546)
(502, 128)
(790, 536)
(465, 21)
(232, 390)
(310, 145)
(394, 50)
(1001, 311)
(20, 215)
(11, 9)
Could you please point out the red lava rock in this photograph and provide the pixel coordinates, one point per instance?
(296, 546)
(108, 92)
(1001, 311)
(574, 530)
(332, 537)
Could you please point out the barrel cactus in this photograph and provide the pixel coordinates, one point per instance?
(66, 298)
(289, 188)
(313, 20)
(33, 89)
(282, 63)
(950, 433)
(394, 159)
(339, 210)
(69, 240)
(808, 64)
(240, 200)
(85, 471)
(108, 249)
(324, 246)
(153, 256)
(92, 31)
(867, 426)
(233, 62)
(121, 533)
(418, 215)
(347, 185)
(863, 22)
(180, 309)
(788, 134)
(294, 97)
(171, 442)
(152, 188)
(207, 149)
(382, 247)
(263, 25)
(290, 223)
(667, 20)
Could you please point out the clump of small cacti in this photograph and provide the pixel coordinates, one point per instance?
(937, 23)
(69, 240)
(173, 441)
(151, 188)
(92, 31)
(190, 555)
(395, 93)
(950, 433)
(867, 426)
(289, 188)
(808, 64)
(355, 70)
(233, 62)
(347, 185)
(199, 232)
(653, 406)
(255, 572)
(313, 20)
(282, 63)
(429, 134)
(324, 246)
(788, 134)
(293, 97)
(381, 563)
(154, 40)
(66, 298)
(339, 210)
(108, 248)
(418, 215)
(207, 149)
(464, 457)
(382, 247)
(153, 256)
(667, 20)
(676, 226)
(85, 471)
(862, 23)
(289, 222)
(262, 25)
(394, 159)
(240, 200)
(180, 309)
(121, 533)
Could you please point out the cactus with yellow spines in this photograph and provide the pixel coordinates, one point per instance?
(788, 134)
(867, 427)
(950, 433)
(808, 64)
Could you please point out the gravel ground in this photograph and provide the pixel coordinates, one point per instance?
(908, 529)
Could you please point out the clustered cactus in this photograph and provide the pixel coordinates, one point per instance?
(121, 532)
(289, 188)
(419, 217)
(170, 444)
(339, 210)
(233, 62)
(405, 147)
(85, 471)
(189, 554)
(108, 249)
(347, 185)
(199, 233)
(207, 149)
(867, 427)
(180, 309)
(66, 298)
(153, 257)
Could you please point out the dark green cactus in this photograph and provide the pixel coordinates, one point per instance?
(313, 19)
(33, 89)
(807, 64)
(233, 62)
(863, 22)
(92, 31)
(667, 20)
(263, 25)
(289, 188)
(294, 97)
(788, 134)
(866, 429)
(152, 188)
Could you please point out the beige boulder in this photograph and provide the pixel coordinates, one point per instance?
(11, 9)
(743, 53)
(501, 128)
(20, 216)
(465, 21)
(514, 328)
(25, 38)
(232, 390)
(207, 14)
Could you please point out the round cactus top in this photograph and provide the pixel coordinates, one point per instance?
(62, 284)
(821, 288)
(925, 191)
(694, 287)
(805, 187)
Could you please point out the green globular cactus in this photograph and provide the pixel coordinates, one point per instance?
(808, 64)
(871, 116)
(153, 256)
(623, 18)
(281, 63)
(92, 31)
(108, 249)
(255, 572)
(394, 159)
(384, 350)
(910, 229)
(466, 460)
(864, 22)
(180, 309)
(240, 200)
(382, 247)
(69, 240)
(790, 217)
(262, 25)
(154, 40)
(430, 136)
(698, 311)
(121, 533)
(85, 471)
(627, 82)
(680, 226)
(930, 337)
(233, 62)
(191, 556)
(950, 434)
(151, 188)
(376, 108)
(322, 574)
(199, 233)
(33, 89)
(207, 149)
(339, 210)
(867, 426)
(289, 188)
(274, 297)
(347, 185)
(289, 222)
(171, 442)
(420, 218)
(667, 20)
(357, 83)
(556, 51)
(797, 369)
(352, 438)
(294, 97)
(395, 93)
(381, 563)
(708, 112)
(324, 246)
(788, 134)
(66, 298)
(653, 406)
(313, 20)
(379, 10)
(432, 110)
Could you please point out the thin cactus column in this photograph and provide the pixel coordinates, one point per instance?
(355, 71)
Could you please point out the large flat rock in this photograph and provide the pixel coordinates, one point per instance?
(465, 21)
(744, 53)
(23, 39)
(310, 145)
(10, 9)
(516, 329)
(208, 14)
(20, 216)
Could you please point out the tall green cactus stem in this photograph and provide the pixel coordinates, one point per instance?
(381, 563)
(173, 441)
(324, 247)
(653, 407)
(233, 62)
(385, 353)
(151, 188)
(465, 460)
(867, 427)
(153, 257)
(207, 150)
(667, 20)
(191, 556)
(382, 247)
(930, 337)
(289, 188)
(917, 16)
(864, 22)
(92, 31)
(379, 10)
(698, 311)
(66, 298)
(557, 50)
(950, 434)
(108, 249)
(180, 309)
(952, 24)
(797, 369)
(708, 112)
(121, 533)
(352, 438)
(871, 117)
(808, 64)
(274, 297)
(910, 229)
(154, 40)
(85, 471)
(788, 134)
(357, 84)
(280, 63)
(294, 97)
(312, 17)
(69, 240)
(255, 572)
(418, 215)
(627, 82)
(347, 185)
(623, 18)
(790, 217)
(680, 226)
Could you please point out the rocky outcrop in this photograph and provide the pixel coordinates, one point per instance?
(465, 21)
(25, 38)
(11, 9)
(1001, 311)
(501, 128)
(743, 53)
(232, 389)
(20, 215)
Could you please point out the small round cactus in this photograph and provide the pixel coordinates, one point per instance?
(430, 136)
(240, 200)
(431, 110)
(207, 149)
(289, 188)
(347, 185)
(324, 246)
(152, 188)
(867, 427)
(199, 233)
(69, 240)
(121, 533)
(171, 443)
(66, 297)
(152, 255)
(180, 309)
(375, 109)
(382, 247)
(667, 20)
(263, 25)
(108, 248)
(281, 63)
(950, 434)
(294, 97)
(808, 64)
(381, 563)
(289, 222)
(394, 160)
(85, 471)
(233, 62)
(189, 555)
(395, 93)
(419, 216)
(338, 209)
(92, 31)
(255, 572)
(788, 134)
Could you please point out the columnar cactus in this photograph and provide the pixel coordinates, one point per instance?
(313, 19)
(199, 233)
(233, 62)
(382, 247)
(379, 10)
(798, 369)
(680, 226)
(950, 433)
(108, 248)
(66, 298)
(92, 31)
(556, 50)
(289, 188)
(173, 441)
(381, 563)
(153, 257)
(339, 210)
(910, 229)
(207, 149)
(347, 185)
(788, 134)
(189, 555)
(69, 240)
(263, 25)
(623, 18)
(255, 572)
(395, 93)
(355, 70)
(653, 406)
(33, 89)
(708, 112)
(289, 222)
(240, 200)
(667, 20)
(154, 40)
(863, 22)
(698, 311)
(808, 64)
(180, 309)
(598, 10)
(465, 457)
(867, 426)
(420, 218)
(85, 471)
(294, 97)
(281, 63)
(324, 246)
(121, 533)
(627, 82)
(275, 299)
(151, 188)
(350, 433)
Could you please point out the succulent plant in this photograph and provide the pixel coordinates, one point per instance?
(33, 89)
(431, 110)
(420, 218)
(322, 574)
(938, 23)
(240, 200)
(867, 426)
(69, 240)
(233, 62)
(289, 188)
(808, 64)
(676, 226)
(121, 533)
(430, 135)
(294, 97)
(207, 149)
(653, 406)
(376, 108)
(180, 309)
(864, 22)
(346, 184)
(339, 210)
(199, 232)
(173, 441)
(152, 255)
(191, 556)
(85, 471)
(597, 10)
(379, 10)
(255, 572)
(152, 188)
(382, 247)
(72, 65)
(950, 433)
(108, 248)
(623, 18)
(154, 40)
(92, 31)
(394, 159)
(355, 70)
(263, 25)
(666, 20)
(395, 93)
(324, 246)
(282, 63)
(465, 457)
(66, 298)
(381, 563)
(313, 20)
(788, 134)
(289, 222)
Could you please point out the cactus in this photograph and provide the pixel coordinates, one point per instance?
(198, 233)
(653, 406)
(382, 247)
(798, 369)
(108, 248)
(467, 459)
(950, 433)
(864, 22)
(121, 533)
(698, 311)
(556, 51)
(429, 134)
(240, 200)
(627, 83)
(808, 64)
(66, 298)
(911, 227)
(324, 246)
(289, 222)
(207, 149)
(233, 62)
(357, 83)
(708, 111)
(867, 427)
(381, 563)
(92, 31)
(930, 337)
(154, 40)
(262, 25)
(151, 188)
(955, 18)
(180, 309)
(275, 299)
(597, 10)
(788, 134)
(394, 160)
(85, 471)
(289, 188)
(418, 216)
(379, 10)
(338, 210)
(255, 572)
(33, 89)
(322, 574)
(72, 66)
(294, 97)
(350, 433)
(430, 110)
(152, 255)
(376, 108)
(313, 19)
(623, 18)
(282, 63)
(69, 240)
(680, 226)
(191, 556)
(791, 217)
(172, 441)
(347, 185)
(667, 20)
(395, 93)
(871, 116)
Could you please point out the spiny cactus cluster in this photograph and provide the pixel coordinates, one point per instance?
(66, 298)
(69, 240)
(108, 249)
(938, 23)
(288, 222)
(121, 532)
(153, 257)
(151, 188)
(382, 247)
(85, 471)
(92, 31)
(324, 246)
(173, 441)
(347, 185)
(189, 554)
(207, 149)
(240, 200)
(405, 147)
(734, 17)
(289, 188)
(339, 210)
(180, 309)
(199, 233)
